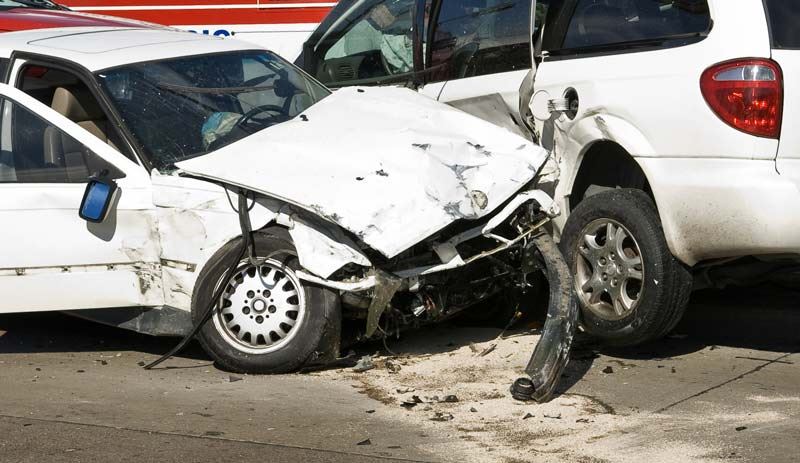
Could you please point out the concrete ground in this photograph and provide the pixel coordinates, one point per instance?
(726, 380)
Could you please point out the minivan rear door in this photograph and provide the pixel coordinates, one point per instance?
(784, 16)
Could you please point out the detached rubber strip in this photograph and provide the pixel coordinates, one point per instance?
(551, 354)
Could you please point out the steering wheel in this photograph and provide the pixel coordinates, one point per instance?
(275, 110)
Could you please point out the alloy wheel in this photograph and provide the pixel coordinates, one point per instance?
(609, 271)
(261, 308)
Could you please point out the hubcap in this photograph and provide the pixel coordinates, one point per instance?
(262, 307)
(609, 271)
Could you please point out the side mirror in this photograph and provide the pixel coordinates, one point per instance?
(97, 200)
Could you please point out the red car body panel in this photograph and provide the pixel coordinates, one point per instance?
(20, 19)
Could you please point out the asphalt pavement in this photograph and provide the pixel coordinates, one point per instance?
(71, 390)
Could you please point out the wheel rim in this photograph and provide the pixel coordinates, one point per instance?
(609, 270)
(262, 307)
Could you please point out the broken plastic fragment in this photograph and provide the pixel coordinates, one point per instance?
(364, 363)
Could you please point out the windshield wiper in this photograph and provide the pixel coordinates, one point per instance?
(213, 90)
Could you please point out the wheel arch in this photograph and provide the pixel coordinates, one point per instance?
(606, 164)
(607, 153)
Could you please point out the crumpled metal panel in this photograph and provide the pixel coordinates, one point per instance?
(323, 248)
(389, 165)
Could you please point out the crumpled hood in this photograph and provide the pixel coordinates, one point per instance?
(387, 164)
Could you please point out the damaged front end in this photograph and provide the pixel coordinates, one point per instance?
(410, 225)
(464, 264)
(460, 268)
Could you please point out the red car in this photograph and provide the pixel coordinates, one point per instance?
(19, 15)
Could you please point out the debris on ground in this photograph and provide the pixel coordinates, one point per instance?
(391, 367)
(608, 370)
(741, 428)
(233, 379)
(570, 428)
(442, 416)
(364, 363)
(412, 402)
(365, 442)
(488, 350)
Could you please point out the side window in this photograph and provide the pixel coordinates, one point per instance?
(369, 42)
(608, 22)
(69, 95)
(34, 151)
(479, 37)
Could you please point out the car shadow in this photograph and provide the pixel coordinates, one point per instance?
(57, 332)
(762, 318)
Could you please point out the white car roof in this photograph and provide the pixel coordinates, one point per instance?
(97, 48)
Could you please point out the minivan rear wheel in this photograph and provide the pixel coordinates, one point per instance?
(267, 320)
(631, 289)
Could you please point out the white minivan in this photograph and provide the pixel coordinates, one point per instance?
(669, 123)
(672, 125)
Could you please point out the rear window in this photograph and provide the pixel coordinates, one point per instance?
(784, 18)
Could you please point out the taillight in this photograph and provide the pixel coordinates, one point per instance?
(747, 94)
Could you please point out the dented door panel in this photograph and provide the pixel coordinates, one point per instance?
(52, 259)
(194, 221)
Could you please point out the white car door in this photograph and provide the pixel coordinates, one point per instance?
(480, 50)
(50, 258)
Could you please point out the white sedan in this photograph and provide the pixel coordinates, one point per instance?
(156, 179)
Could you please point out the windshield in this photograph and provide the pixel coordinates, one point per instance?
(44, 4)
(180, 108)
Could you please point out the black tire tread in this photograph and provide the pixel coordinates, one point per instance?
(324, 328)
(635, 209)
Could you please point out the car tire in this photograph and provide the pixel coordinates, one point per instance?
(623, 302)
(255, 294)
